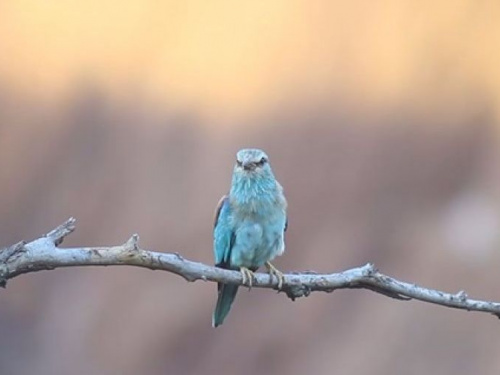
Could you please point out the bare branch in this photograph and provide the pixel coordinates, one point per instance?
(43, 254)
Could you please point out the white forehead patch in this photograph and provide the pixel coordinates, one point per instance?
(250, 154)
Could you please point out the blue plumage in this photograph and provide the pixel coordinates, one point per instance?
(249, 225)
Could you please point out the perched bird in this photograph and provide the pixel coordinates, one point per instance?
(250, 225)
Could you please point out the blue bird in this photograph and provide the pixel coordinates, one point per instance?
(249, 226)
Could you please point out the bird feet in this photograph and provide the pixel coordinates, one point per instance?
(248, 277)
(274, 271)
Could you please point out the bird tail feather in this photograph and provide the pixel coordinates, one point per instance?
(225, 299)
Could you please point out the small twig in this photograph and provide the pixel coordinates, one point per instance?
(57, 235)
(42, 254)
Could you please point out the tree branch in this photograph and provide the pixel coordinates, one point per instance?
(44, 254)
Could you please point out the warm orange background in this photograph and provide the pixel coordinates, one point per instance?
(381, 121)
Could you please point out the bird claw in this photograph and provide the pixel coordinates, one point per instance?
(274, 271)
(248, 277)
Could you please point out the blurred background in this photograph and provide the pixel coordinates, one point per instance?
(381, 120)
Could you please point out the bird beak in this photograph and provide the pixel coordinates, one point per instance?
(248, 166)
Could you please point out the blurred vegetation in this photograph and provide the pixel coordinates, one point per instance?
(381, 122)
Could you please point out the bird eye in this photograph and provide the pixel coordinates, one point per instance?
(262, 162)
(238, 163)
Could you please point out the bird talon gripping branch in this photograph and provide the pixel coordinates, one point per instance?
(274, 271)
(248, 277)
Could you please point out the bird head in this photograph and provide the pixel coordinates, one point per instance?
(252, 161)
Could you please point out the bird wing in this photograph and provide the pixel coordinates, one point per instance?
(223, 233)
(218, 209)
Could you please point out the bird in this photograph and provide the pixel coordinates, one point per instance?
(249, 226)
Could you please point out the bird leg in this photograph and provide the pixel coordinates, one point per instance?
(247, 276)
(274, 271)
